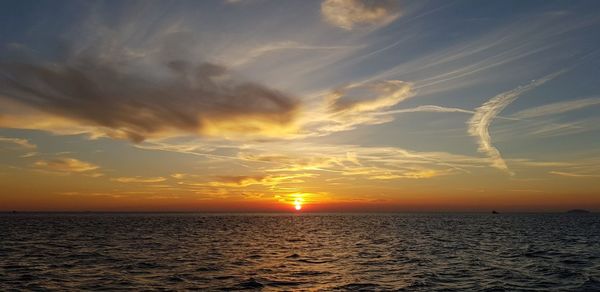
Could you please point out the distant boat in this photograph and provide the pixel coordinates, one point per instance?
(578, 211)
(494, 212)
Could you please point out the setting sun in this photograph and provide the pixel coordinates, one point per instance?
(297, 205)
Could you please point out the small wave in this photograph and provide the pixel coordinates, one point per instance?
(208, 269)
(412, 253)
(591, 284)
(275, 283)
(251, 284)
(359, 287)
(176, 279)
(310, 273)
(295, 239)
(315, 261)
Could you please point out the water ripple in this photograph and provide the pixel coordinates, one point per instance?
(406, 252)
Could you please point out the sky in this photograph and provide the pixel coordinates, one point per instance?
(333, 105)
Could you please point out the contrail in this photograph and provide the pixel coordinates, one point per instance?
(485, 114)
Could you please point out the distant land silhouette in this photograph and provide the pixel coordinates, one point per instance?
(578, 211)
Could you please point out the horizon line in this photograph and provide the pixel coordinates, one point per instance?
(300, 213)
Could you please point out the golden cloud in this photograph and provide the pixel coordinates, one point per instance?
(358, 104)
(347, 14)
(264, 180)
(68, 165)
(139, 179)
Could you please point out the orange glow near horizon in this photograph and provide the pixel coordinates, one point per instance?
(502, 202)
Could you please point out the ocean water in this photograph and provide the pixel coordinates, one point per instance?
(308, 252)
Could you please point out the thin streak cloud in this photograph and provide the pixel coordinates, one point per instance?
(24, 143)
(261, 51)
(557, 108)
(484, 115)
(64, 164)
(139, 179)
(571, 174)
(428, 108)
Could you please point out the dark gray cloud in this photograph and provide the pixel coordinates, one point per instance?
(140, 100)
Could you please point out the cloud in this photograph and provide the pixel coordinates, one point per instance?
(341, 109)
(352, 160)
(29, 154)
(238, 181)
(559, 129)
(387, 93)
(347, 14)
(383, 173)
(278, 167)
(179, 175)
(485, 59)
(296, 163)
(68, 165)
(357, 104)
(571, 174)
(435, 109)
(427, 108)
(139, 179)
(544, 128)
(274, 164)
(264, 180)
(557, 108)
(133, 100)
(24, 143)
(258, 52)
(484, 115)
(420, 174)
(157, 91)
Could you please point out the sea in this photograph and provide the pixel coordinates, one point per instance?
(299, 252)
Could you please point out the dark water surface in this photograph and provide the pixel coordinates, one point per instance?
(414, 252)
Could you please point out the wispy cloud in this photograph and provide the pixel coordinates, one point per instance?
(270, 181)
(356, 104)
(24, 143)
(559, 129)
(386, 173)
(179, 175)
(374, 162)
(348, 14)
(428, 108)
(470, 62)
(69, 165)
(139, 179)
(282, 167)
(557, 108)
(274, 47)
(571, 174)
(485, 114)
(545, 128)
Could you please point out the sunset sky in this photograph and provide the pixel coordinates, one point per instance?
(339, 105)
